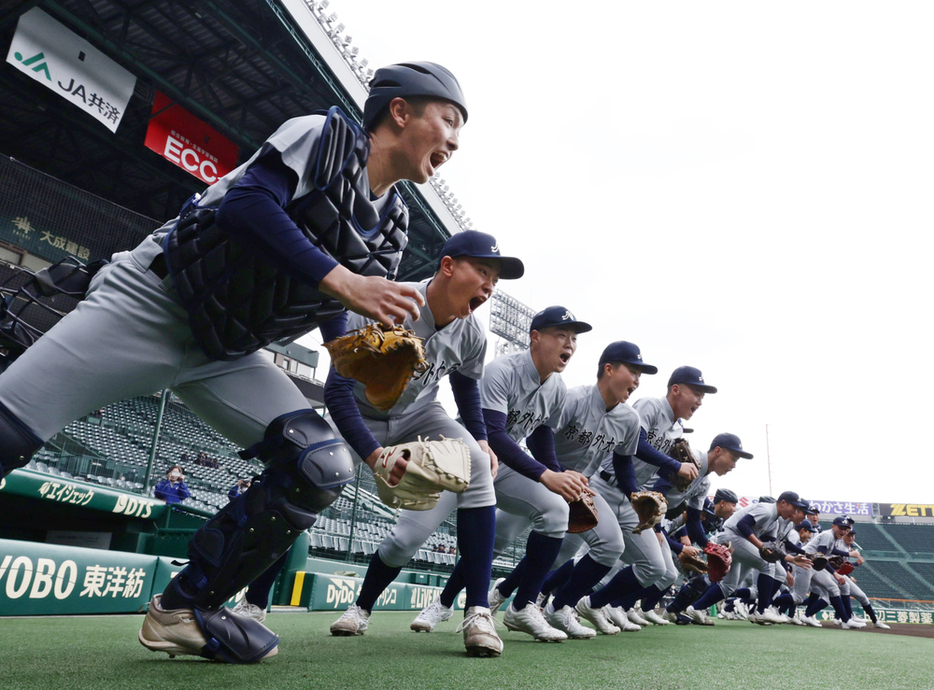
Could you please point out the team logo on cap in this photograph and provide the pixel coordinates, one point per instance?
(700, 378)
(567, 315)
(495, 247)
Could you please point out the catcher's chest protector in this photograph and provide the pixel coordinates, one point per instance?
(237, 301)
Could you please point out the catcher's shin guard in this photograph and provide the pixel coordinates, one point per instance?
(17, 442)
(306, 468)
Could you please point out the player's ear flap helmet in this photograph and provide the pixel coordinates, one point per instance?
(410, 79)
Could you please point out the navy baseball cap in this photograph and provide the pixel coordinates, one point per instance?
(691, 376)
(842, 521)
(730, 442)
(790, 497)
(558, 316)
(625, 353)
(480, 245)
(725, 495)
(805, 524)
(813, 510)
(767, 499)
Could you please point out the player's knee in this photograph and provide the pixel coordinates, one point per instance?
(649, 572)
(608, 552)
(553, 520)
(397, 549)
(18, 443)
(303, 447)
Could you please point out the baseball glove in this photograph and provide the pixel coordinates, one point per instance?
(383, 359)
(837, 562)
(583, 514)
(819, 561)
(433, 467)
(650, 506)
(719, 560)
(772, 552)
(681, 451)
(845, 569)
(693, 564)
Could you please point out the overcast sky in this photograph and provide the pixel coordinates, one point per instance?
(743, 187)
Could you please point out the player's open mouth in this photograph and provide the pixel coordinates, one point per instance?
(438, 159)
(565, 357)
(476, 303)
(631, 389)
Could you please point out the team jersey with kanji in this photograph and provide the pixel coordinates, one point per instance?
(658, 420)
(588, 433)
(512, 386)
(764, 514)
(460, 346)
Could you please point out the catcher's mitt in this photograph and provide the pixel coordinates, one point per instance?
(819, 561)
(692, 564)
(583, 514)
(772, 552)
(719, 560)
(433, 466)
(681, 451)
(383, 359)
(650, 506)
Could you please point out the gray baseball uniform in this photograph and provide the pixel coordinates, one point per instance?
(746, 557)
(460, 346)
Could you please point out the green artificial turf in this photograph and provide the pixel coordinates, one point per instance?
(103, 652)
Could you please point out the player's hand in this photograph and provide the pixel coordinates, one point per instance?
(688, 472)
(839, 579)
(494, 461)
(800, 561)
(689, 551)
(568, 485)
(685, 540)
(374, 297)
(398, 470)
(789, 579)
(581, 477)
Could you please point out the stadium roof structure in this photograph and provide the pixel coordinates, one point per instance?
(242, 67)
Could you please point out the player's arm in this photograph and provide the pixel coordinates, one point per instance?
(695, 527)
(467, 398)
(254, 210)
(647, 453)
(566, 483)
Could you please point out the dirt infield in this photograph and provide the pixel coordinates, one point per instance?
(909, 629)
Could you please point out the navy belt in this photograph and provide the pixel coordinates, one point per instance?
(158, 266)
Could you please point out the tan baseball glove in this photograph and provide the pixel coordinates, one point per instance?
(650, 506)
(383, 359)
(433, 467)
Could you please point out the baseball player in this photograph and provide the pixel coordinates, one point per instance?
(744, 530)
(522, 397)
(653, 555)
(849, 539)
(814, 518)
(826, 584)
(308, 227)
(595, 423)
(660, 425)
(455, 346)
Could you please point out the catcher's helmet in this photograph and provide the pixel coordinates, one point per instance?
(411, 79)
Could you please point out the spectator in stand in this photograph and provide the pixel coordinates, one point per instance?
(241, 486)
(172, 489)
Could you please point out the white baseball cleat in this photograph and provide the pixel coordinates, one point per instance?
(852, 624)
(653, 618)
(794, 620)
(740, 610)
(530, 620)
(599, 617)
(355, 621)
(634, 616)
(700, 617)
(812, 621)
(619, 618)
(496, 599)
(430, 616)
(881, 625)
(758, 618)
(479, 629)
(566, 621)
(245, 608)
(858, 619)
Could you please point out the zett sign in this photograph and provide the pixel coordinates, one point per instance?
(180, 137)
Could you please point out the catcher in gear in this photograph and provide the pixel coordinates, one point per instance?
(387, 437)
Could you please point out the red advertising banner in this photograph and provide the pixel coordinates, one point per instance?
(180, 137)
